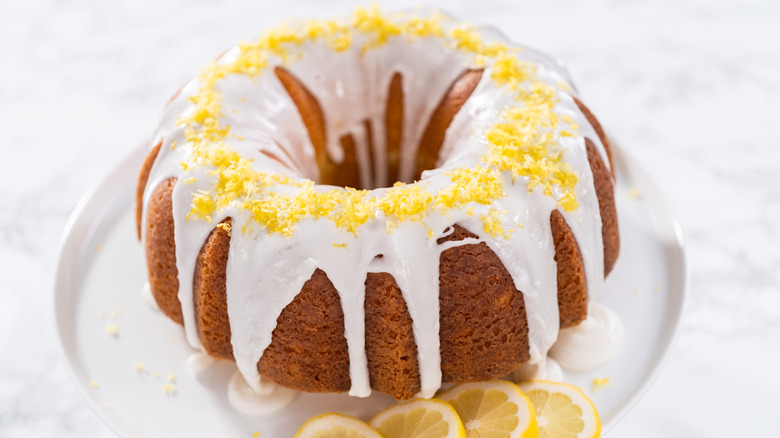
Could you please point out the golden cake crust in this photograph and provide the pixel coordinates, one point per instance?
(390, 347)
(143, 179)
(161, 251)
(599, 131)
(209, 293)
(602, 179)
(572, 287)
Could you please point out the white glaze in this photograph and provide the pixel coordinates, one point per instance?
(199, 362)
(269, 398)
(547, 369)
(263, 118)
(591, 343)
(146, 292)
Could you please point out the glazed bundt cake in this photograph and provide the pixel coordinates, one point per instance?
(386, 202)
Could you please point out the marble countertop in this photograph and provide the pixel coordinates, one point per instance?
(690, 88)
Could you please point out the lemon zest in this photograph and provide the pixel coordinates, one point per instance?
(524, 144)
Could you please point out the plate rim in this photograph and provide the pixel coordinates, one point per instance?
(86, 210)
(72, 239)
(627, 160)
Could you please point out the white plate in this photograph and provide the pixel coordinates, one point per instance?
(101, 272)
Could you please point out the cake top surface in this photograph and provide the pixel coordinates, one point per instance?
(523, 144)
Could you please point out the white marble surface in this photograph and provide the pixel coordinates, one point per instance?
(691, 88)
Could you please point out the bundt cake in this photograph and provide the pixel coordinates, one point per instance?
(389, 201)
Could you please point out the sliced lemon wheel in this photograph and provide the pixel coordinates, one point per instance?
(335, 426)
(562, 410)
(493, 409)
(419, 419)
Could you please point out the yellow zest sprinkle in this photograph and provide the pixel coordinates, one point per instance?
(112, 329)
(226, 227)
(139, 366)
(634, 193)
(405, 202)
(567, 118)
(468, 39)
(101, 314)
(94, 384)
(373, 23)
(169, 389)
(390, 226)
(155, 373)
(339, 245)
(416, 27)
(189, 180)
(116, 313)
(523, 146)
(171, 377)
(510, 71)
(203, 205)
(256, 434)
(492, 223)
(98, 248)
(600, 383)
(482, 185)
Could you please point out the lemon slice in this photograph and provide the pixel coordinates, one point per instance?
(335, 426)
(419, 419)
(562, 410)
(493, 409)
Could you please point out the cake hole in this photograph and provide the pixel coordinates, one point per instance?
(366, 158)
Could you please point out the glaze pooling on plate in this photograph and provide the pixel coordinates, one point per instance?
(515, 151)
(591, 343)
(269, 398)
